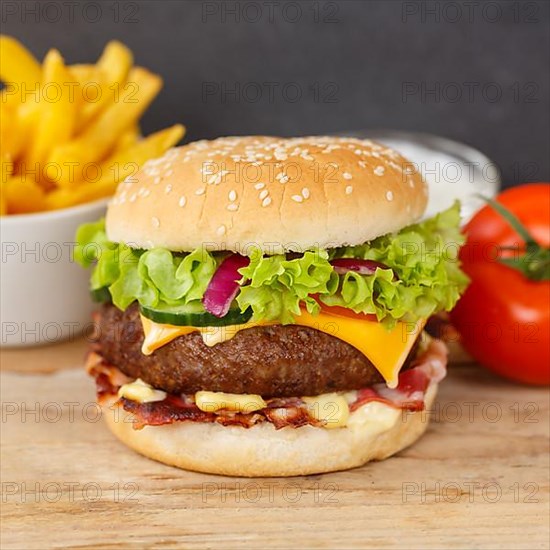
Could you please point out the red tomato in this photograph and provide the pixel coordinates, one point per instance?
(504, 317)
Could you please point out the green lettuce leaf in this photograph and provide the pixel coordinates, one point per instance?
(423, 274)
(150, 277)
(424, 258)
(277, 286)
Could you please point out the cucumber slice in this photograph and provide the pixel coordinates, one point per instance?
(101, 294)
(193, 315)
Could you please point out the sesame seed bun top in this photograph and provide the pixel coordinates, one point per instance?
(279, 194)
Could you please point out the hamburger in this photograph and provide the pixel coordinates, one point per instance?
(263, 302)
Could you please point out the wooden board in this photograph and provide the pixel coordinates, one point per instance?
(478, 479)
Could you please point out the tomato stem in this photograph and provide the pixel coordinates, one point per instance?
(535, 263)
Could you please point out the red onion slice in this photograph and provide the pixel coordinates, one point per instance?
(363, 267)
(223, 286)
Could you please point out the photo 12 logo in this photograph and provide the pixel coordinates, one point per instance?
(50, 492)
(423, 91)
(67, 11)
(236, 92)
(252, 492)
(271, 12)
(445, 11)
(489, 412)
(454, 492)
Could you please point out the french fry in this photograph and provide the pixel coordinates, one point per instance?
(6, 171)
(152, 146)
(116, 61)
(10, 141)
(27, 116)
(117, 168)
(111, 73)
(23, 196)
(128, 138)
(82, 72)
(82, 75)
(17, 67)
(81, 133)
(98, 139)
(56, 113)
(7, 168)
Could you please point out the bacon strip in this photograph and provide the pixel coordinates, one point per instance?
(170, 410)
(409, 394)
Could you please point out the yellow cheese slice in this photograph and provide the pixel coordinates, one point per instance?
(157, 334)
(386, 349)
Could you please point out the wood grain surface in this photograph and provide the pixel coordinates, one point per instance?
(478, 479)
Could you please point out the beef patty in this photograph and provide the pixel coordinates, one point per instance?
(272, 361)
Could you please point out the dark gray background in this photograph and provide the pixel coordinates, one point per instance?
(353, 63)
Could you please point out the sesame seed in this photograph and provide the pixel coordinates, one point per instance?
(297, 198)
(305, 193)
(200, 191)
(221, 230)
(358, 151)
(155, 221)
(259, 185)
(232, 207)
(182, 201)
(347, 176)
(411, 183)
(168, 188)
(156, 181)
(133, 197)
(264, 194)
(389, 196)
(168, 173)
(146, 193)
(232, 195)
(349, 190)
(266, 202)
(284, 178)
(379, 170)
(362, 164)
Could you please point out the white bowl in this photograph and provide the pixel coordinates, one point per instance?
(44, 294)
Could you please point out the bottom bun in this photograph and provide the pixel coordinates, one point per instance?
(375, 431)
